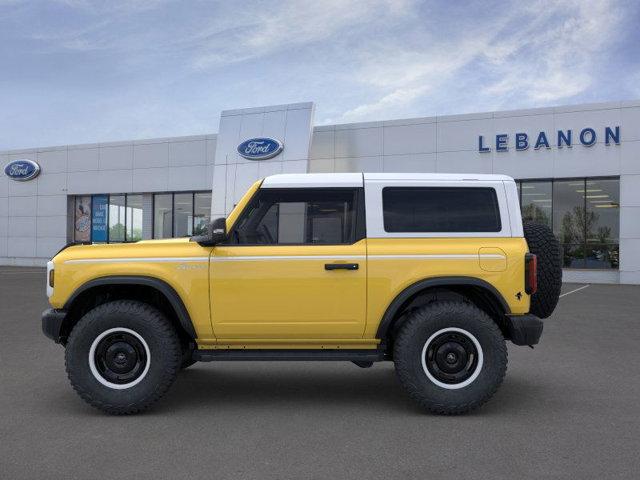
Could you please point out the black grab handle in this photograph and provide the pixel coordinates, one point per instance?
(341, 266)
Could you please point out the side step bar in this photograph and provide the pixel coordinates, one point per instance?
(289, 355)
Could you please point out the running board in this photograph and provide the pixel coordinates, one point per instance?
(289, 355)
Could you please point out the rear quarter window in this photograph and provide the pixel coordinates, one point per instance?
(440, 209)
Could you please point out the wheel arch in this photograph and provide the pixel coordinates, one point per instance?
(133, 287)
(477, 291)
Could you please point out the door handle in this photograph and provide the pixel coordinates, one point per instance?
(341, 266)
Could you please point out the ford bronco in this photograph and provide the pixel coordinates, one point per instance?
(434, 272)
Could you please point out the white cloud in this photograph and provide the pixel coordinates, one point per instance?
(253, 33)
(555, 63)
(397, 98)
(542, 52)
(121, 69)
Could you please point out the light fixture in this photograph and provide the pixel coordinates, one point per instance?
(597, 196)
(589, 190)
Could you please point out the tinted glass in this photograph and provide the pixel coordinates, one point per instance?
(440, 209)
(536, 202)
(573, 256)
(162, 215)
(603, 223)
(134, 218)
(201, 212)
(183, 214)
(586, 219)
(117, 218)
(313, 216)
(568, 211)
(603, 211)
(569, 220)
(604, 256)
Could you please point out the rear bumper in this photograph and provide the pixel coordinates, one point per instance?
(524, 329)
(52, 323)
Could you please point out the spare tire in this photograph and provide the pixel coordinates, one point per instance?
(545, 246)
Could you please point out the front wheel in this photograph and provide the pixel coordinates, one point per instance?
(122, 356)
(451, 357)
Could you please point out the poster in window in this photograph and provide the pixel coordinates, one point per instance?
(99, 213)
(82, 219)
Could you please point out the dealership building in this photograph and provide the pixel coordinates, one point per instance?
(577, 168)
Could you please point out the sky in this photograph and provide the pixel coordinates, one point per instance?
(80, 71)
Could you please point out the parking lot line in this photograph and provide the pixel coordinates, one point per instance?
(574, 291)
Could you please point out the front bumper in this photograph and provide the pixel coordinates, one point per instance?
(524, 329)
(53, 323)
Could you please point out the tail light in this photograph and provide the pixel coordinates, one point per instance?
(530, 273)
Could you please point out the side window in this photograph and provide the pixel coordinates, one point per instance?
(440, 209)
(298, 217)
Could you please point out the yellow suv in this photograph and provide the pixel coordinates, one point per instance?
(431, 271)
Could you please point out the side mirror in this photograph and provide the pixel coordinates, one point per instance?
(218, 230)
(216, 233)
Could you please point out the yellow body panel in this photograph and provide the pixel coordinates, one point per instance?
(442, 257)
(278, 292)
(182, 264)
(179, 262)
(278, 296)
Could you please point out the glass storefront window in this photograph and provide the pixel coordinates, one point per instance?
(117, 218)
(603, 210)
(162, 215)
(604, 256)
(568, 211)
(536, 202)
(201, 212)
(104, 218)
(82, 219)
(603, 223)
(134, 218)
(584, 215)
(182, 214)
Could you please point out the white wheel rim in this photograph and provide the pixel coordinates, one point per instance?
(474, 375)
(92, 361)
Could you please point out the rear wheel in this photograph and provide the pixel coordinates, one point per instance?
(450, 357)
(122, 356)
(545, 246)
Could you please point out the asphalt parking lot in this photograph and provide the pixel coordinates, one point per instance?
(568, 409)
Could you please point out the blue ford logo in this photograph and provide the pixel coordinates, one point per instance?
(260, 148)
(22, 170)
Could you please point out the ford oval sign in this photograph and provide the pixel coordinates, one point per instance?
(22, 170)
(260, 148)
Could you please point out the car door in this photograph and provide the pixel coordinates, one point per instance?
(294, 267)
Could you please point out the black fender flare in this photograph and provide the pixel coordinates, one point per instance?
(163, 287)
(408, 292)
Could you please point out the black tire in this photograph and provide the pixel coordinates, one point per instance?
(121, 334)
(446, 324)
(545, 246)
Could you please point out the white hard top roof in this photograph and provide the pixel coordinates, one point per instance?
(302, 180)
